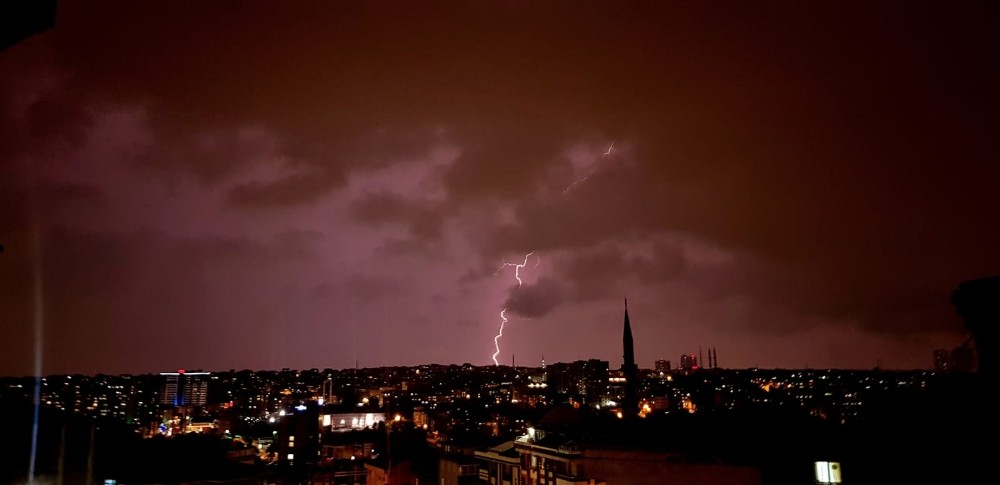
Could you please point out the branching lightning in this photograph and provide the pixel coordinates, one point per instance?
(503, 313)
(592, 170)
(517, 267)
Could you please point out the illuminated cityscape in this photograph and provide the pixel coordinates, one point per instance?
(567, 423)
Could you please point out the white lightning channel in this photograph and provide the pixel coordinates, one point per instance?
(496, 340)
(592, 171)
(517, 267)
(503, 313)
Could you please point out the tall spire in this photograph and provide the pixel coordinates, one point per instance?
(630, 401)
(627, 345)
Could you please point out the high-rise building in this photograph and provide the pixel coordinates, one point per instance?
(587, 379)
(662, 366)
(561, 379)
(298, 436)
(183, 388)
(595, 380)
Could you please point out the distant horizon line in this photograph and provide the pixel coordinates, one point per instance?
(484, 366)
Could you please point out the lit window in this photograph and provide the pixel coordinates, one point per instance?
(828, 472)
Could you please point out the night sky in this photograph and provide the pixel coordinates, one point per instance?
(228, 185)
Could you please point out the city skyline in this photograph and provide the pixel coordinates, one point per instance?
(314, 186)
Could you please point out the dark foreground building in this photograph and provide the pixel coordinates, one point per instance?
(20, 19)
(978, 302)
(570, 448)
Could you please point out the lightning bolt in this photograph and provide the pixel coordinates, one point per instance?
(517, 267)
(503, 313)
(592, 171)
(496, 340)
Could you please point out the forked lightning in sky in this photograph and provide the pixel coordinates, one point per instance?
(596, 165)
(503, 316)
(518, 266)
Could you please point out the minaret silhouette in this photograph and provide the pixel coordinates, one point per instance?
(630, 402)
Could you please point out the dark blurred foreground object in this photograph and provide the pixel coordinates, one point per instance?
(20, 19)
(978, 303)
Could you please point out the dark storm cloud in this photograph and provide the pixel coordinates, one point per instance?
(665, 263)
(536, 300)
(210, 155)
(844, 230)
(385, 144)
(594, 274)
(326, 289)
(369, 288)
(72, 194)
(81, 261)
(137, 288)
(99, 287)
(782, 294)
(395, 247)
(287, 191)
(424, 219)
(324, 169)
(201, 91)
(844, 155)
(505, 162)
(39, 112)
(285, 245)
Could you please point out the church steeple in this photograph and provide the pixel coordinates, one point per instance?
(630, 401)
(627, 345)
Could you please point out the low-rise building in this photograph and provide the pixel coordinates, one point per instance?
(500, 465)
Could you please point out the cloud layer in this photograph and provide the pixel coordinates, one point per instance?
(310, 185)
